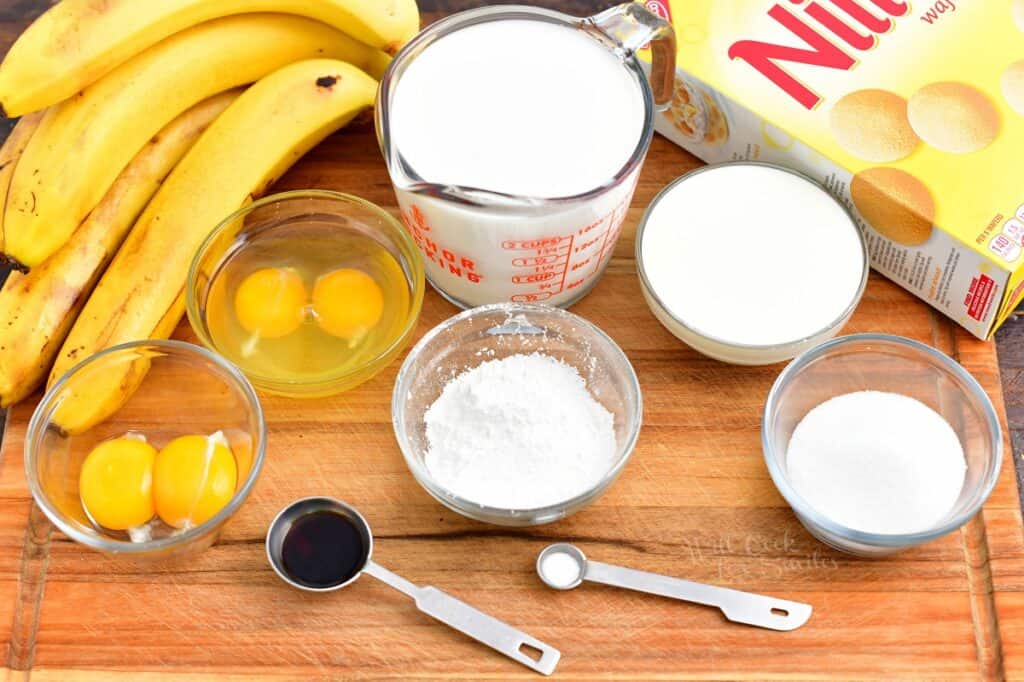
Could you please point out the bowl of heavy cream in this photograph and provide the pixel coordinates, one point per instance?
(750, 263)
(879, 443)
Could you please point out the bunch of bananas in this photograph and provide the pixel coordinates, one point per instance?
(143, 125)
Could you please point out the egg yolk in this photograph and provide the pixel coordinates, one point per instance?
(194, 478)
(116, 483)
(270, 302)
(348, 303)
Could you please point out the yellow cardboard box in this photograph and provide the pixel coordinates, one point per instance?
(911, 113)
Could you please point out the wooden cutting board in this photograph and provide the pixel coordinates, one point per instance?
(695, 501)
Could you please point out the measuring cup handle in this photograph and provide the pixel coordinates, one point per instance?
(630, 27)
(488, 630)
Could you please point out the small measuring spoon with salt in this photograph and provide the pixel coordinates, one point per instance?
(564, 567)
(320, 544)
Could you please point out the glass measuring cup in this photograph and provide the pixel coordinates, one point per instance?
(482, 246)
(439, 605)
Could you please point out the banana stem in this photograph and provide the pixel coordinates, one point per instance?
(11, 263)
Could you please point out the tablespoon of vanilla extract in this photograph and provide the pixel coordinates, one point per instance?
(564, 567)
(320, 544)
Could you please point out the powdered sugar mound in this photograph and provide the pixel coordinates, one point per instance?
(519, 433)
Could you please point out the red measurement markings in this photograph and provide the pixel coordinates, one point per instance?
(534, 261)
(568, 261)
(585, 246)
(535, 278)
(548, 258)
(555, 257)
(532, 298)
(532, 244)
(576, 282)
(617, 219)
(456, 264)
(592, 226)
(600, 254)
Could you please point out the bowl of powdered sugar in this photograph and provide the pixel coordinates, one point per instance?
(516, 414)
(879, 443)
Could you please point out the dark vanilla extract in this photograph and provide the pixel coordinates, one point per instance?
(323, 549)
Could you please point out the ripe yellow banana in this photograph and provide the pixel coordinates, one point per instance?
(40, 307)
(84, 143)
(10, 153)
(78, 41)
(141, 295)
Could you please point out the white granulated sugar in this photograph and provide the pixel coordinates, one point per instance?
(877, 462)
(519, 433)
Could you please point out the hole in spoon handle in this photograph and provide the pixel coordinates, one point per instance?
(765, 612)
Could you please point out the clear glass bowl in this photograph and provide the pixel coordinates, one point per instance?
(880, 362)
(731, 351)
(498, 331)
(185, 390)
(276, 215)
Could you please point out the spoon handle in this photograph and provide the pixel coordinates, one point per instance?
(488, 630)
(485, 629)
(739, 607)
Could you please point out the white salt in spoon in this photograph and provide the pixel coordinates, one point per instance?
(564, 567)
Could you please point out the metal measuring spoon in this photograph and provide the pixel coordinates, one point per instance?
(564, 567)
(456, 614)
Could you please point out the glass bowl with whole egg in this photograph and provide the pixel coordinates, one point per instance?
(309, 293)
(914, 456)
(146, 449)
(496, 333)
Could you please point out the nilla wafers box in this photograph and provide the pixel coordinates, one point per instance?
(911, 113)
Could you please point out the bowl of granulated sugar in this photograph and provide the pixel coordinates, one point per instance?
(879, 443)
(516, 414)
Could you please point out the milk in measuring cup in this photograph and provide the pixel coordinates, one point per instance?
(483, 109)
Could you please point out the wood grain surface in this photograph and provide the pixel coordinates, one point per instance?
(695, 501)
